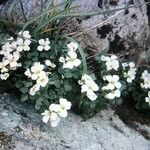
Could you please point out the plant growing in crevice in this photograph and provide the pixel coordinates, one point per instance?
(50, 70)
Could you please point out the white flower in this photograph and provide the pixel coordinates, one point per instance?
(49, 63)
(146, 80)
(13, 64)
(34, 89)
(72, 46)
(130, 72)
(37, 68)
(145, 74)
(25, 34)
(88, 86)
(91, 95)
(44, 45)
(51, 115)
(54, 107)
(113, 94)
(131, 64)
(13, 45)
(16, 55)
(28, 73)
(42, 81)
(56, 111)
(64, 106)
(62, 59)
(11, 60)
(89, 91)
(2, 65)
(37, 73)
(113, 86)
(71, 60)
(5, 62)
(111, 62)
(131, 75)
(4, 76)
(124, 65)
(23, 45)
(86, 77)
(6, 49)
(4, 70)
(113, 82)
(147, 99)
(46, 116)
(104, 58)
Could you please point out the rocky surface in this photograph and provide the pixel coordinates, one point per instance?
(21, 128)
(124, 32)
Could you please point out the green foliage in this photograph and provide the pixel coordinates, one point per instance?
(62, 82)
(139, 93)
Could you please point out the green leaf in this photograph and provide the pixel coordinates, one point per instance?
(38, 104)
(42, 14)
(9, 12)
(67, 87)
(18, 85)
(28, 84)
(52, 18)
(23, 90)
(24, 97)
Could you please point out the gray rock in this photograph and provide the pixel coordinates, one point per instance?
(21, 128)
(124, 32)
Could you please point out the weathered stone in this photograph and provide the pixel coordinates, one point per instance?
(124, 31)
(21, 128)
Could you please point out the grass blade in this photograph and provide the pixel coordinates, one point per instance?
(42, 14)
(9, 12)
(57, 16)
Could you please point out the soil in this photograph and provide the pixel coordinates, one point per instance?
(130, 116)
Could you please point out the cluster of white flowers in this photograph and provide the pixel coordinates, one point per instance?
(113, 85)
(146, 80)
(88, 86)
(110, 62)
(71, 59)
(11, 53)
(36, 73)
(147, 99)
(131, 72)
(56, 111)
